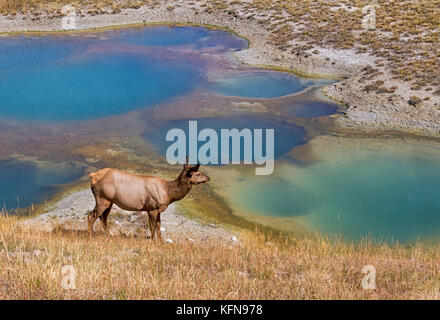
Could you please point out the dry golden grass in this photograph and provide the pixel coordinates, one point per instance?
(54, 6)
(135, 268)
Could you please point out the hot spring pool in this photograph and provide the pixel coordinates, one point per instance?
(48, 80)
(23, 183)
(375, 195)
(80, 77)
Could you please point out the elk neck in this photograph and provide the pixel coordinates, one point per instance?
(179, 188)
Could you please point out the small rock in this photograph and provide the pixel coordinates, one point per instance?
(169, 240)
(37, 252)
(110, 258)
(162, 229)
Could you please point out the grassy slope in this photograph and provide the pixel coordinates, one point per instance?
(136, 268)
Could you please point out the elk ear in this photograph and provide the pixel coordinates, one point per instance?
(185, 166)
(196, 167)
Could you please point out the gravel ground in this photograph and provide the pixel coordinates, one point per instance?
(70, 213)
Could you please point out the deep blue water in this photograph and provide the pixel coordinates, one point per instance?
(287, 135)
(24, 183)
(312, 109)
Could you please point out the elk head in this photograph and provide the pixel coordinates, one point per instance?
(193, 174)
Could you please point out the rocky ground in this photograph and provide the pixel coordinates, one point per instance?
(70, 214)
(378, 109)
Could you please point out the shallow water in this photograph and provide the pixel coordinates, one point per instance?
(23, 183)
(194, 37)
(261, 84)
(374, 194)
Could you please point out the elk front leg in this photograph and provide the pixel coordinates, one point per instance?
(152, 224)
(159, 235)
(154, 221)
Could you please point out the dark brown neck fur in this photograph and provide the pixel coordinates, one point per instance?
(179, 188)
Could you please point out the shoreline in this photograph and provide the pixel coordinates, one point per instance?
(365, 110)
(104, 28)
(69, 214)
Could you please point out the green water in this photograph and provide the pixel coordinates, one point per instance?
(379, 195)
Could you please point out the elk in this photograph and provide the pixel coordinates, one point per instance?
(136, 192)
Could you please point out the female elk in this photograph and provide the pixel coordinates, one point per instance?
(136, 192)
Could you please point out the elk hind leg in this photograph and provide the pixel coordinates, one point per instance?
(91, 220)
(104, 218)
(96, 213)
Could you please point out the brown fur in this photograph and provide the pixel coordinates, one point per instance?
(136, 192)
(96, 176)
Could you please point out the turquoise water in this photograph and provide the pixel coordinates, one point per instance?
(92, 87)
(261, 84)
(25, 183)
(376, 195)
(49, 79)
(79, 77)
